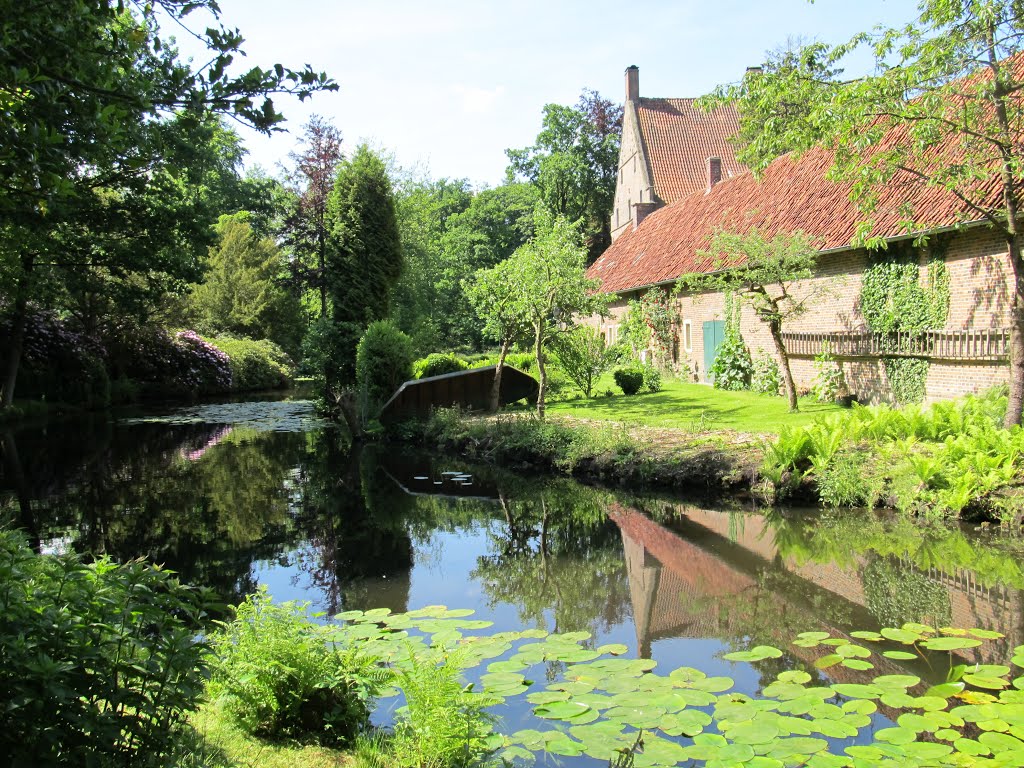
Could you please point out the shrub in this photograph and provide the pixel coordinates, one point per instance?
(629, 380)
(437, 364)
(383, 362)
(581, 353)
(98, 662)
(58, 364)
(207, 370)
(732, 367)
(829, 382)
(278, 674)
(255, 365)
(765, 379)
(652, 378)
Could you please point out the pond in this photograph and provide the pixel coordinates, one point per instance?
(237, 495)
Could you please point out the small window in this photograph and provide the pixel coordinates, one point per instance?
(688, 335)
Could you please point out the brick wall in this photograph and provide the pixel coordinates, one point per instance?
(980, 296)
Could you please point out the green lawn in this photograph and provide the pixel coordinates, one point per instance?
(693, 407)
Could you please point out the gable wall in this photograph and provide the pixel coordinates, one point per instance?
(980, 293)
(633, 184)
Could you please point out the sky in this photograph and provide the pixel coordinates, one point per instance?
(446, 87)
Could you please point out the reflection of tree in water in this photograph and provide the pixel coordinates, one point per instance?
(133, 491)
(355, 519)
(557, 555)
(896, 594)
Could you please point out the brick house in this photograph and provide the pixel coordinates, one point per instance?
(666, 213)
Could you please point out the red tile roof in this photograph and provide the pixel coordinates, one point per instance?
(791, 195)
(679, 138)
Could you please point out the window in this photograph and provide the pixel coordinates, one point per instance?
(688, 335)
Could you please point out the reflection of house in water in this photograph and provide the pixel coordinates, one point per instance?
(704, 576)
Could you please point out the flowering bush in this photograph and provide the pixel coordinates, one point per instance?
(205, 369)
(166, 364)
(58, 363)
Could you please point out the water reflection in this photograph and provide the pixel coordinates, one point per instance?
(240, 495)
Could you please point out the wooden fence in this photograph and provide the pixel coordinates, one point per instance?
(974, 344)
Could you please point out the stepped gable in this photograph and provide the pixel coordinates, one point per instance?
(679, 137)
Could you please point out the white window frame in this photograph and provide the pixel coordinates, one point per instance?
(688, 335)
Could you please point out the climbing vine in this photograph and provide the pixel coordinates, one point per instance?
(893, 300)
(661, 318)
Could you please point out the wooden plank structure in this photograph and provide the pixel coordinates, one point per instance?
(467, 389)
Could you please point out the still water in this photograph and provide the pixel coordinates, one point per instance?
(237, 495)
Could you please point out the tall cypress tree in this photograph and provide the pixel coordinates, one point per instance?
(364, 260)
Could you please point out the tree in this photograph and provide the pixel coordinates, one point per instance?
(423, 302)
(583, 356)
(87, 104)
(547, 278)
(574, 164)
(494, 295)
(760, 270)
(497, 221)
(943, 113)
(242, 293)
(305, 227)
(364, 257)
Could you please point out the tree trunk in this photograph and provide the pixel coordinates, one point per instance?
(496, 386)
(542, 374)
(19, 322)
(1015, 405)
(775, 328)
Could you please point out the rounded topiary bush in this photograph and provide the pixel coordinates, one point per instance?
(256, 365)
(629, 380)
(383, 361)
(437, 364)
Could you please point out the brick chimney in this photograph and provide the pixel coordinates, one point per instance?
(633, 83)
(714, 172)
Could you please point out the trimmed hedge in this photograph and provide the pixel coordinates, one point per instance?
(437, 364)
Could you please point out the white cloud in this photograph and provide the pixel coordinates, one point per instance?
(478, 101)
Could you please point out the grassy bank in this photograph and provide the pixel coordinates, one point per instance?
(694, 408)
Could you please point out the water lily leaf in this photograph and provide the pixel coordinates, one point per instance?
(562, 710)
(897, 699)
(947, 734)
(827, 761)
(929, 703)
(639, 717)
(564, 746)
(986, 634)
(896, 681)
(349, 616)
(686, 674)
(901, 636)
(950, 643)
(689, 722)
(816, 636)
(757, 731)
(797, 676)
(574, 687)
(758, 653)
(825, 662)
(1001, 742)
(858, 691)
(971, 747)
(836, 641)
(984, 681)
(896, 735)
(899, 655)
(782, 749)
(547, 697)
(995, 724)
(714, 684)
(615, 649)
(866, 635)
(852, 651)
(928, 750)
(735, 754)
(945, 690)
(858, 664)
(569, 637)
(520, 754)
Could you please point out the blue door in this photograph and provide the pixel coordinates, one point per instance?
(714, 333)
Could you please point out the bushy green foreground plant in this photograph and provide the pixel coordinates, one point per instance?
(98, 662)
(598, 704)
(764, 378)
(277, 673)
(629, 380)
(947, 458)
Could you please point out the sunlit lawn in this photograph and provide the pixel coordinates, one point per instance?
(694, 407)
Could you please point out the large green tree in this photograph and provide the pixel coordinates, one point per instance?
(91, 96)
(547, 281)
(943, 111)
(574, 162)
(364, 259)
(243, 292)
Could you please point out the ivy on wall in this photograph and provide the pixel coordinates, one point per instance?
(893, 299)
